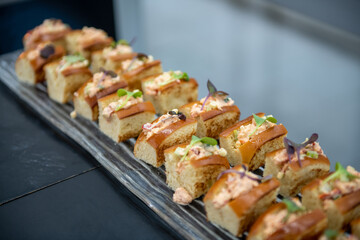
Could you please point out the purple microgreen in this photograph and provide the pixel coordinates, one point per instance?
(194, 140)
(108, 72)
(132, 41)
(267, 178)
(212, 92)
(292, 147)
(122, 92)
(241, 173)
(47, 51)
(140, 56)
(259, 121)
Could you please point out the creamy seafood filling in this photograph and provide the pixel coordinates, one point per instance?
(197, 151)
(120, 49)
(101, 80)
(112, 107)
(162, 123)
(235, 185)
(244, 133)
(152, 87)
(337, 188)
(72, 62)
(132, 64)
(213, 102)
(49, 26)
(90, 35)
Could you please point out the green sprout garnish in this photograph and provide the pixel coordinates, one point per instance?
(181, 76)
(331, 234)
(194, 140)
(70, 59)
(122, 92)
(236, 134)
(259, 121)
(340, 173)
(312, 154)
(120, 42)
(291, 208)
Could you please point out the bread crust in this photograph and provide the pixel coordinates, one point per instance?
(88, 106)
(157, 143)
(252, 152)
(133, 77)
(245, 208)
(31, 71)
(212, 123)
(340, 211)
(307, 226)
(172, 95)
(296, 177)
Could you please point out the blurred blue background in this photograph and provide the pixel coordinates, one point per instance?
(297, 60)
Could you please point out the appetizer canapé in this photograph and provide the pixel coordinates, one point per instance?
(297, 164)
(288, 220)
(141, 66)
(86, 41)
(250, 139)
(169, 90)
(100, 85)
(338, 195)
(213, 113)
(29, 65)
(65, 76)
(238, 198)
(191, 169)
(122, 114)
(111, 57)
(51, 30)
(168, 130)
(331, 234)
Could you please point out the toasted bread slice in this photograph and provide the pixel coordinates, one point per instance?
(252, 152)
(307, 225)
(339, 212)
(197, 176)
(74, 47)
(31, 70)
(100, 60)
(212, 123)
(296, 177)
(125, 123)
(87, 106)
(151, 150)
(240, 213)
(172, 95)
(133, 77)
(61, 86)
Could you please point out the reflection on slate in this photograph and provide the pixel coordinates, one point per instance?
(32, 156)
(86, 207)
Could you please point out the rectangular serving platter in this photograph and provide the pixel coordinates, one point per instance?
(144, 181)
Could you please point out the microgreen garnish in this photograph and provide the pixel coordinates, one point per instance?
(194, 140)
(236, 133)
(122, 92)
(243, 174)
(120, 42)
(181, 76)
(291, 207)
(312, 154)
(331, 234)
(212, 92)
(140, 56)
(47, 51)
(259, 121)
(292, 147)
(70, 59)
(108, 72)
(340, 173)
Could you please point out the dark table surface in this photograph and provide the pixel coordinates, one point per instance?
(52, 189)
